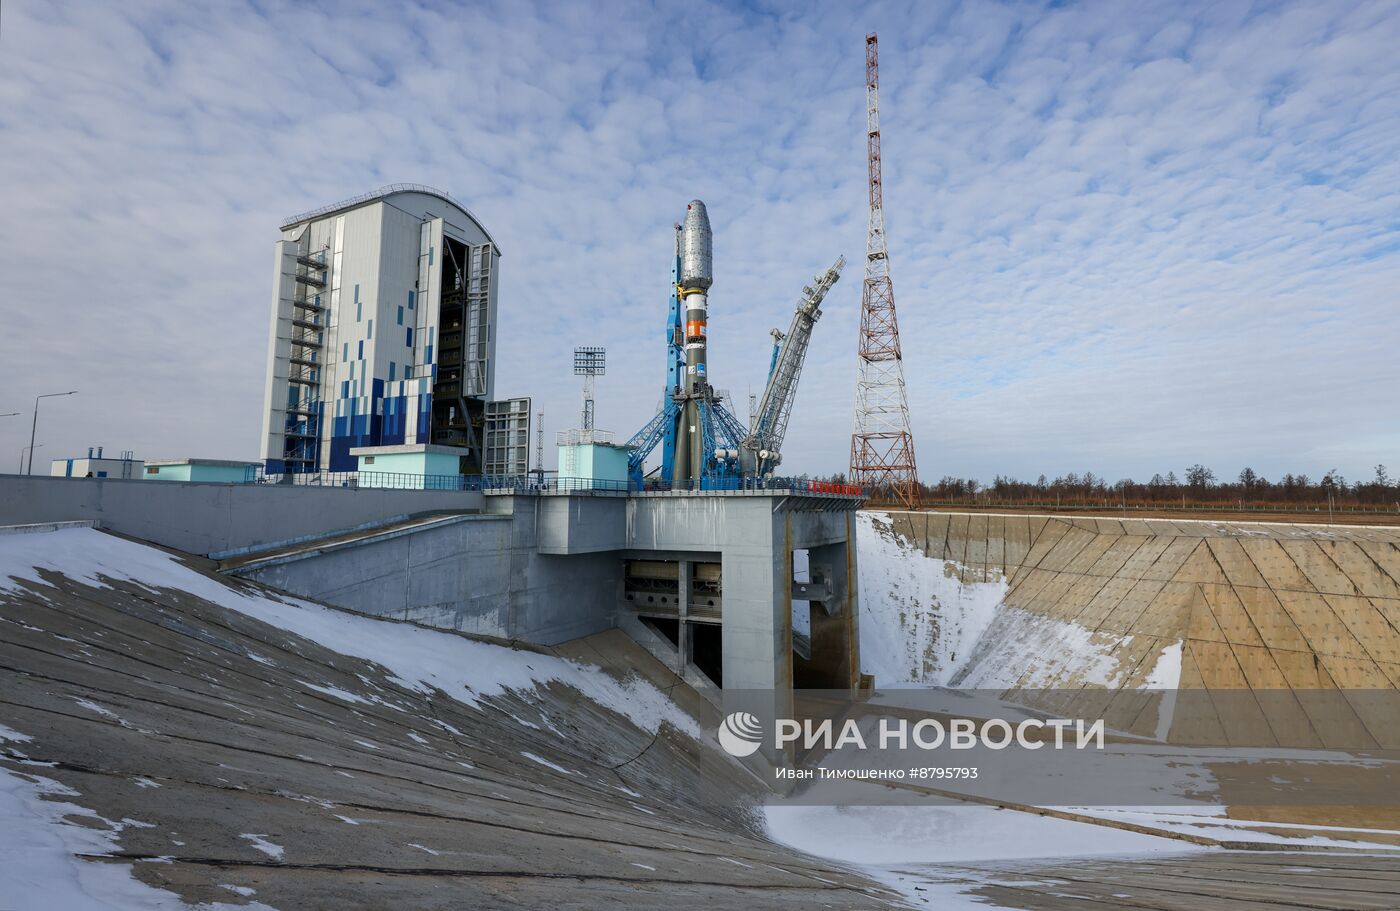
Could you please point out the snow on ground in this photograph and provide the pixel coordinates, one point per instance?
(898, 845)
(262, 844)
(415, 657)
(39, 846)
(546, 763)
(919, 621)
(1166, 676)
(8, 734)
(1034, 651)
(922, 626)
(1211, 822)
(927, 834)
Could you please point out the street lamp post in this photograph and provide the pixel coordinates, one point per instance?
(34, 428)
(21, 455)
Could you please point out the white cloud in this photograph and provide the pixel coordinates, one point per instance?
(1120, 242)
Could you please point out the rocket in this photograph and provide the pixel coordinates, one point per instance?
(692, 290)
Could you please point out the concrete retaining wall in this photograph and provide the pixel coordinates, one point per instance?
(1134, 604)
(478, 574)
(205, 518)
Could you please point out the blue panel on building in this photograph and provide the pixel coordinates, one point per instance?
(341, 459)
(425, 413)
(395, 425)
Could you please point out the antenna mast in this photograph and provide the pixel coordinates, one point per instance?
(882, 446)
(539, 443)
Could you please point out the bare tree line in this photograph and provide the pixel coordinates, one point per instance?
(1196, 485)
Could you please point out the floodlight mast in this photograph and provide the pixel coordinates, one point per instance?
(589, 362)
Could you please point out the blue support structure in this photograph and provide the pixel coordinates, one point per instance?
(730, 431)
(644, 441)
(675, 370)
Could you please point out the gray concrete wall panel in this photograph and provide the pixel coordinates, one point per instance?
(202, 518)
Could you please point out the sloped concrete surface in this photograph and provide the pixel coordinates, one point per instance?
(259, 766)
(1200, 605)
(214, 760)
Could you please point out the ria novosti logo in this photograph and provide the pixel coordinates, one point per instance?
(740, 734)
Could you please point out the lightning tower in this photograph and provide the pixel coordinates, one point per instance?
(882, 447)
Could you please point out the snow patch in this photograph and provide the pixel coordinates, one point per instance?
(545, 762)
(892, 843)
(104, 712)
(919, 620)
(335, 691)
(1166, 677)
(42, 869)
(1211, 822)
(1033, 651)
(10, 735)
(262, 844)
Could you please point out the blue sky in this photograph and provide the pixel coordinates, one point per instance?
(1124, 237)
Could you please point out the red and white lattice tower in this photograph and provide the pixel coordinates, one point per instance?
(882, 447)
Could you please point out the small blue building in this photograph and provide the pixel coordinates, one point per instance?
(213, 471)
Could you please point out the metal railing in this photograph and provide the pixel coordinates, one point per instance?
(534, 483)
(791, 485)
(364, 480)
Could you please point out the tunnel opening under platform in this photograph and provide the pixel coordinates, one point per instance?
(758, 596)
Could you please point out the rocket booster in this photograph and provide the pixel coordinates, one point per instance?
(692, 289)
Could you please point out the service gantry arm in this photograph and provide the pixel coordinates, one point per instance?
(763, 444)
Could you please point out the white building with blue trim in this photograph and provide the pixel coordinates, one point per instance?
(382, 331)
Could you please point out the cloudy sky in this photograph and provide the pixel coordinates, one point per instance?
(1124, 237)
